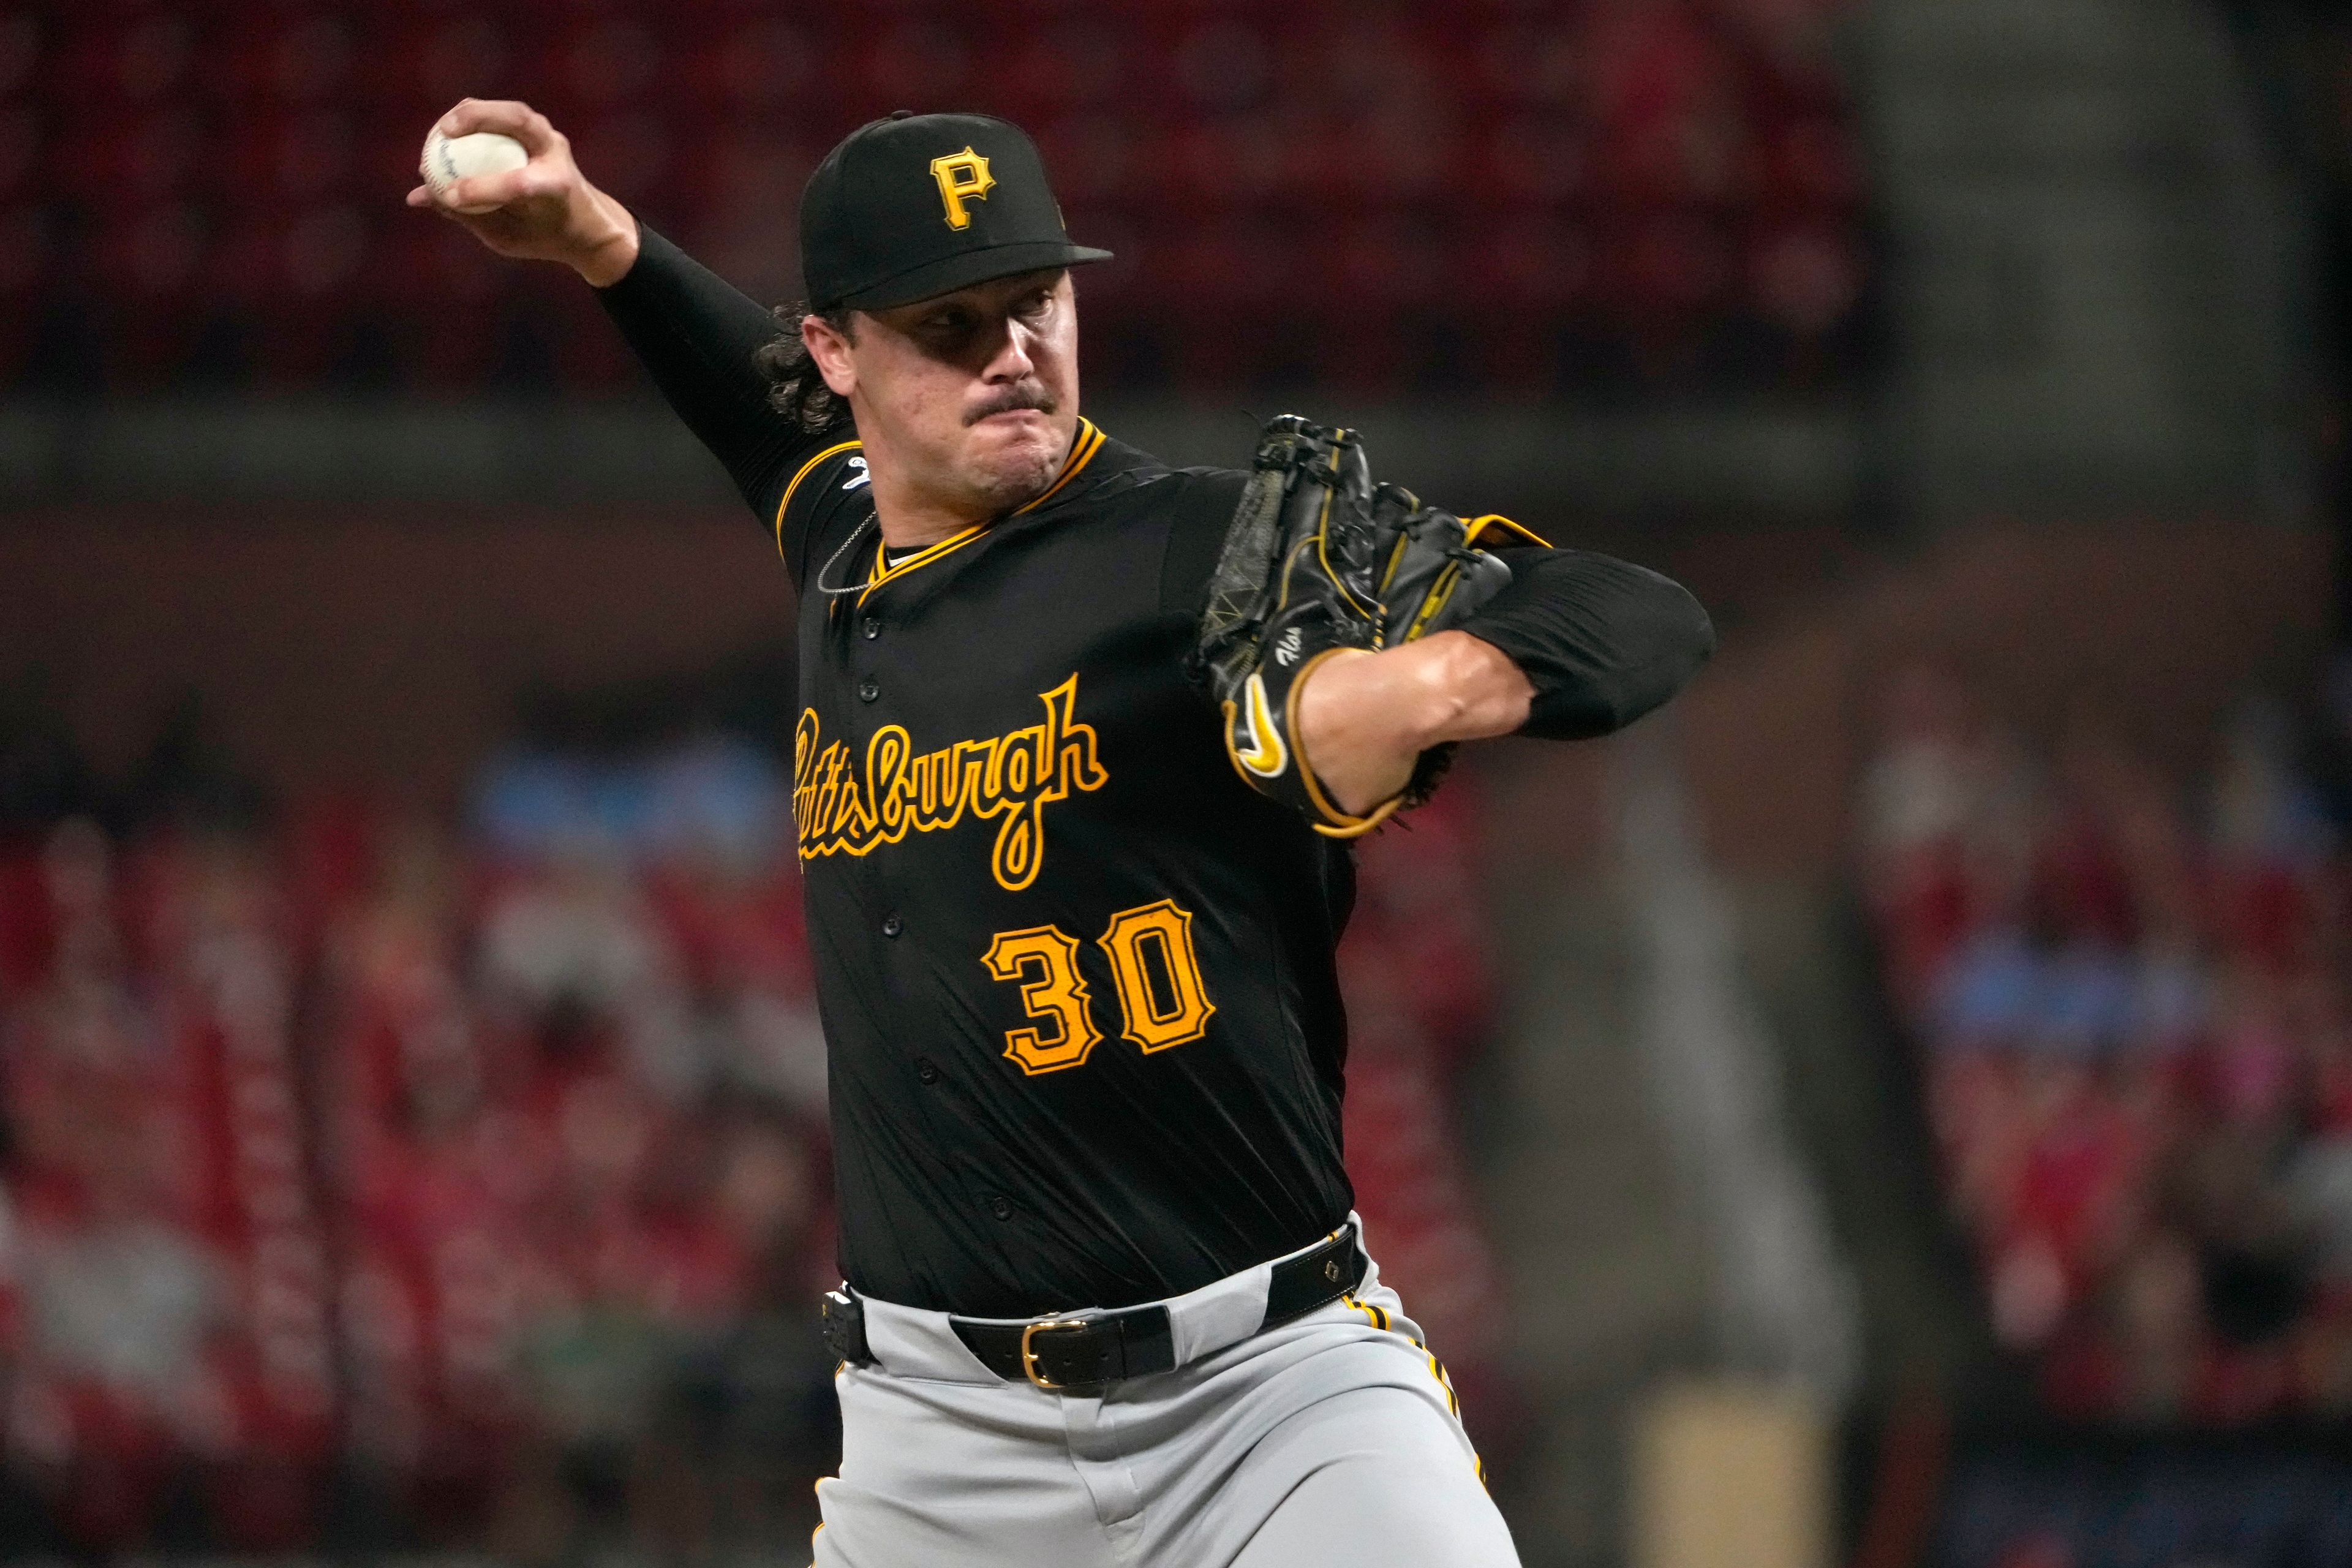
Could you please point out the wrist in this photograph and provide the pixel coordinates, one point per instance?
(608, 241)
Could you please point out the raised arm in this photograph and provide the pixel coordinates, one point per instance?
(1577, 645)
(695, 332)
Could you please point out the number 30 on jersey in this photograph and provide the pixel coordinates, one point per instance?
(1153, 968)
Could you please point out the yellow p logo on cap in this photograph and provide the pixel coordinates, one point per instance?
(963, 177)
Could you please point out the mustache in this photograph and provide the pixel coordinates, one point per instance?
(1010, 400)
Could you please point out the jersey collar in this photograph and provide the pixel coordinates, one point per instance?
(1082, 448)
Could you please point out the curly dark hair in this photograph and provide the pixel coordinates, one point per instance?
(795, 386)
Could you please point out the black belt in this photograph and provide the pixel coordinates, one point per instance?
(1103, 1347)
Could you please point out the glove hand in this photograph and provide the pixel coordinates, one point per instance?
(1321, 566)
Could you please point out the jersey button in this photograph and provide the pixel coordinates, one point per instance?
(892, 925)
(925, 1070)
(872, 627)
(870, 689)
(1001, 1207)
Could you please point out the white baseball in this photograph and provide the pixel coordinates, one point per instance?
(449, 159)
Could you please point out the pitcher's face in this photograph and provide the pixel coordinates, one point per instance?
(971, 397)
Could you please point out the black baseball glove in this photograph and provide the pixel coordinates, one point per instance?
(1318, 560)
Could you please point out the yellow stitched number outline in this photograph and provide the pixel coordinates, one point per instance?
(963, 177)
(1056, 994)
(1044, 961)
(1133, 936)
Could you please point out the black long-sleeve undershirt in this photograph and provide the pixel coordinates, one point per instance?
(1601, 641)
(696, 334)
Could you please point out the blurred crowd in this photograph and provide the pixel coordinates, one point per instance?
(2130, 994)
(1531, 197)
(373, 1180)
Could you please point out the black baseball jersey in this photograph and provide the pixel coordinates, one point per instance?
(1078, 979)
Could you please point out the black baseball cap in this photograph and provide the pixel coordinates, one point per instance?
(915, 205)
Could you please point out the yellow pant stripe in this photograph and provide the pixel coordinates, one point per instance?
(1378, 1317)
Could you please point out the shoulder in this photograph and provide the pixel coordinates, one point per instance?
(1178, 515)
(1111, 475)
(834, 464)
(824, 487)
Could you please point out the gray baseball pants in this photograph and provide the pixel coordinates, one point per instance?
(1331, 1439)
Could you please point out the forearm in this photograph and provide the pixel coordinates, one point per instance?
(605, 238)
(1365, 719)
(1576, 645)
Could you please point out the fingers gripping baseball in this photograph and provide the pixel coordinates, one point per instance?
(544, 210)
(507, 116)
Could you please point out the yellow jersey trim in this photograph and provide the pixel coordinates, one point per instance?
(884, 569)
(1082, 451)
(807, 469)
(1473, 530)
(1083, 447)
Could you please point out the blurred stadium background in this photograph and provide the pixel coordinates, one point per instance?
(1896, 1109)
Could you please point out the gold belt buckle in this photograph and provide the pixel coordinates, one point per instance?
(1029, 1356)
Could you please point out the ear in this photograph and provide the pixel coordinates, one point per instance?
(830, 349)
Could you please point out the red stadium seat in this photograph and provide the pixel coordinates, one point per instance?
(1092, 157)
(1079, 66)
(1532, 162)
(293, 158)
(112, 64)
(488, 1177)
(1522, 282)
(131, 156)
(1658, 274)
(156, 258)
(599, 62)
(907, 64)
(1506, 115)
(1806, 279)
(1532, 268)
(1539, 65)
(1809, 165)
(752, 65)
(439, 291)
(629, 150)
(27, 42)
(22, 171)
(278, 57)
(316, 262)
(1210, 164)
(421, 64)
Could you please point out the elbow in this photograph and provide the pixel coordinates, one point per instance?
(1680, 650)
(1688, 631)
(1698, 639)
(1609, 663)
(1684, 640)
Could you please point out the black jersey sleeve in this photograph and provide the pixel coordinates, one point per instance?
(696, 334)
(1601, 640)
